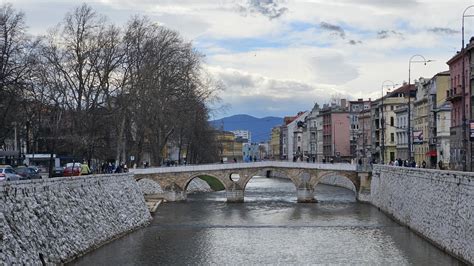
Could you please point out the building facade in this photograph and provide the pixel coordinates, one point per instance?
(229, 147)
(311, 134)
(420, 122)
(438, 87)
(384, 128)
(356, 110)
(243, 134)
(460, 97)
(401, 114)
(364, 141)
(274, 147)
(336, 133)
(443, 130)
(295, 137)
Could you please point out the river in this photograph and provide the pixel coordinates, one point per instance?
(270, 228)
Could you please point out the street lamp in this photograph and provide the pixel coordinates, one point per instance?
(463, 84)
(382, 122)
(423, 60)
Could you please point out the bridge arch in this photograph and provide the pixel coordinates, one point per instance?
(343, 179)
(197, 175)
(262, 172)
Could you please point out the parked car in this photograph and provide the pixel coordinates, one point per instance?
(27, 172)
(8, 174)
(58, 171)
(72, 169)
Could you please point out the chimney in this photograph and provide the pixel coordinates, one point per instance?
(343, 103)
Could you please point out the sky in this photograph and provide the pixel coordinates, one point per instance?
(278, 57)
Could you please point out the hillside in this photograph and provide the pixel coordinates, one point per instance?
(259, 127)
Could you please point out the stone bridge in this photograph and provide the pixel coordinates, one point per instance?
(235, 176)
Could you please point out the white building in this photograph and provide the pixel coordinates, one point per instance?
(443, 124)
(310, 134)
(295, 136)
(319, 139)
(244, 134)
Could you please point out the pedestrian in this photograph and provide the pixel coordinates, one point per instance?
(118, 169)
(110, 168)
(104, 168)
(395, 163)
(423, 164)
(440, 165)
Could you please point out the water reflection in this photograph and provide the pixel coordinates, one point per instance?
(270, 228)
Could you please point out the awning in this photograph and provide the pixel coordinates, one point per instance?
(432, 153)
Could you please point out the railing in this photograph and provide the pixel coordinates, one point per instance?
(262, 164)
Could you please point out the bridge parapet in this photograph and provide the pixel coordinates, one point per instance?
(231, 166)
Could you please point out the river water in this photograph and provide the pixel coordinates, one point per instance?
(270, 228)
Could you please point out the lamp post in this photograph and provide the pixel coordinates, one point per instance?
(463, 88)
(423, 60)
(382, 122)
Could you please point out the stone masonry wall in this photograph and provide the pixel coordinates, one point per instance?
(437, 204)
(55, 220)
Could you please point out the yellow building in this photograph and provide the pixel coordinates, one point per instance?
(420, 122)
(228, 147)
(430, 94)
(275, 143)
(389, 128)
(442, 120)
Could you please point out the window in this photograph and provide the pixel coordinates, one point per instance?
(299, 138)
(391, 107)
(392, 122)
(392, 137)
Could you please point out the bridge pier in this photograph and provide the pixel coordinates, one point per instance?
(175, 196)
(235, 195)
(305, 195)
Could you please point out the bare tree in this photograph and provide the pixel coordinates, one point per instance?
(94, 91)
(14, 51)
(82, 56)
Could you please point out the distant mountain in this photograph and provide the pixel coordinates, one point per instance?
(260, 128)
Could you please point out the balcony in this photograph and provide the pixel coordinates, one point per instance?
(455, 95)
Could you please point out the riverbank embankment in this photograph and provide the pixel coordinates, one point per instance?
(53, 221)
(438, 205)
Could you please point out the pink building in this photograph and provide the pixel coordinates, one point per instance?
(336, 133)
(460, 148)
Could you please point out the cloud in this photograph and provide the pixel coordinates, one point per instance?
(333, 28)
(384, 34)
(447, 31)
(386, 3)
(354, 42)
(260, 95)
(333, 69)
(268, 8)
